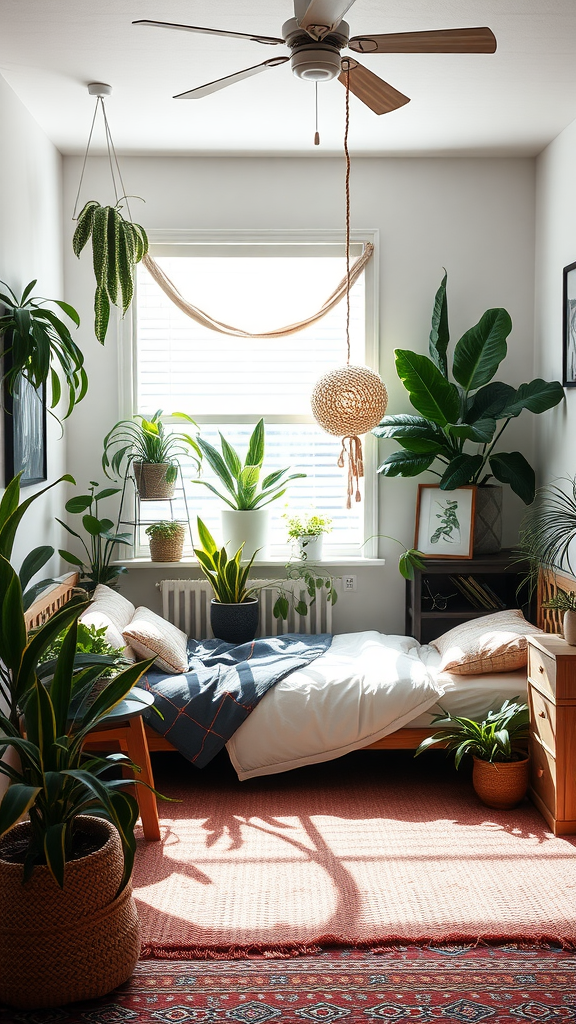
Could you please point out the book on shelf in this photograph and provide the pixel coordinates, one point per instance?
(479, 595)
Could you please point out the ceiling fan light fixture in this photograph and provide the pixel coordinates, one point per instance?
(316, 63)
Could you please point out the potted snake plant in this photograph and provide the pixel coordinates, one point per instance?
(245, 521)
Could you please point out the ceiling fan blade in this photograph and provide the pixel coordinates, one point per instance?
(222, 83)
(323, 16)
(449, 40)
(373, 91)
(267, 40)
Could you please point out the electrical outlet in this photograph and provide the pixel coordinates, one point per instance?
(349, 583)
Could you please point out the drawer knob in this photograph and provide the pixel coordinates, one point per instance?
(541, 714)
(539, 772)
(540, 668)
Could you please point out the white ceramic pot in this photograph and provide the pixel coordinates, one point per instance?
(310, 547)
(251, 528)
(570, 628)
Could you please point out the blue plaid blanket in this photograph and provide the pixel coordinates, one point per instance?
(203, 707)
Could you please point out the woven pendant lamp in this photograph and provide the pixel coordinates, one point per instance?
(350, 400)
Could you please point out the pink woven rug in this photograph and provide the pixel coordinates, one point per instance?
(371, 849)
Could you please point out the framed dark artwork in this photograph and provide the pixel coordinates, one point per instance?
(445, 521)
(569, 327)
(25, 434)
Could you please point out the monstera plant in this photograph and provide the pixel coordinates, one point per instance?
(461, 420)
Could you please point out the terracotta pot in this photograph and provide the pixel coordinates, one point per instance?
(151, 482)
(569, 624)
(500, 784)
(57, 945)
(168, 549)
(235, 623)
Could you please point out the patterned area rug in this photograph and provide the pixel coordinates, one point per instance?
(453, 983)
(367, 849)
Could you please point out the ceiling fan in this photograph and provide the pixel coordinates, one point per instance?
(316, 35)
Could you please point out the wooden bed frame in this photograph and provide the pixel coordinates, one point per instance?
(403, 739)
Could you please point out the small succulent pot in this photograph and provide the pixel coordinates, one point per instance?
(151, 482)
(500, 784)
(569, 625)
(310, 547)
(168, 549)
(235, 623)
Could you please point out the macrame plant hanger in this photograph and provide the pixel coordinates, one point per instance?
(100, 90)
(350, 400)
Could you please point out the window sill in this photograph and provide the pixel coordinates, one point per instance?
(192, 563)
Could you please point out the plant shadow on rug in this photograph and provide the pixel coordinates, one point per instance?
(370, 849)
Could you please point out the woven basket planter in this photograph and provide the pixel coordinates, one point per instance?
(500, 784)
(168, 549)
(151, 480)
(57, 945)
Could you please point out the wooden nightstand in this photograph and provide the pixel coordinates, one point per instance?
(552, 701)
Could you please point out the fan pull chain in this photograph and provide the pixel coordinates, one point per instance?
(316, 133)
(347, 155)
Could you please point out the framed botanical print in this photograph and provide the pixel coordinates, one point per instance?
(445, 521)
(569, 327)
(25, 434)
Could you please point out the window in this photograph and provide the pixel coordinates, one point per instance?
(227, 383)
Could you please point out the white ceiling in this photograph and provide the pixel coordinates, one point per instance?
(512, 102)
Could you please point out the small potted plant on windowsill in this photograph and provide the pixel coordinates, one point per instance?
(166, 540)
(308, 529)
(498, 745)
(245, 520)
(151, 451)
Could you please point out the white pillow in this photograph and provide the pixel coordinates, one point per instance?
(490, 643)
(150, 636)
(110, 610)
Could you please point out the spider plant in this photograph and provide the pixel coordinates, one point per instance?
(241, 480)
(37, 344)
(117, 246)
(146, 440)
(501, 736)
(548, 529)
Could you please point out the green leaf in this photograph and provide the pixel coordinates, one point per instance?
(406, 425)
(206, 539)
(230, 457)
(538, 396)
(422, 446)
(100, 247)
(101, 314)
(79, 503)
(10, 500)
(512, 468)
(69, 557)
(113, 243)
(34, 561)
(54, 851)
(255, 454)
(92, 525)
(84, 226)
(405, 464)
(69, 310)
(281, 607)
(480, 350)
(461, 471)
(217, 464)
(482, 431)
(17, 800)
(489, 402)
(430, 393)
(439, 334)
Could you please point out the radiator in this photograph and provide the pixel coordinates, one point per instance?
(186, 603)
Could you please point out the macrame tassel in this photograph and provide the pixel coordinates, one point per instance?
(353, 452)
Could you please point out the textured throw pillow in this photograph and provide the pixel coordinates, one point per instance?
(110, 610)
(492, 643)
(151, 636)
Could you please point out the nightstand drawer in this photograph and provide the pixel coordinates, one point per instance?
(542, 670)
(542, 718)
(543, 775)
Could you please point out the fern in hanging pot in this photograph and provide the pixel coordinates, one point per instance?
(117, 246)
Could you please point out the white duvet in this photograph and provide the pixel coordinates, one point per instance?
(365, 686)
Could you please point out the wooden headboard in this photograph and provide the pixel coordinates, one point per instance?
(549, 583)
(51, 600)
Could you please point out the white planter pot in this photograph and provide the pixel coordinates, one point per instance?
(251, 528)
(310, 547)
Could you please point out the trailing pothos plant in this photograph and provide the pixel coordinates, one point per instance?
(473, 409)
(117, 246)
(37, 345)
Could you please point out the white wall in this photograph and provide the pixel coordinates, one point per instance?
(555, 249)
(474, 217)
(31, 247)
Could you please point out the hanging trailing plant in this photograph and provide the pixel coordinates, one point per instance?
(36, 344)
(117, 246)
